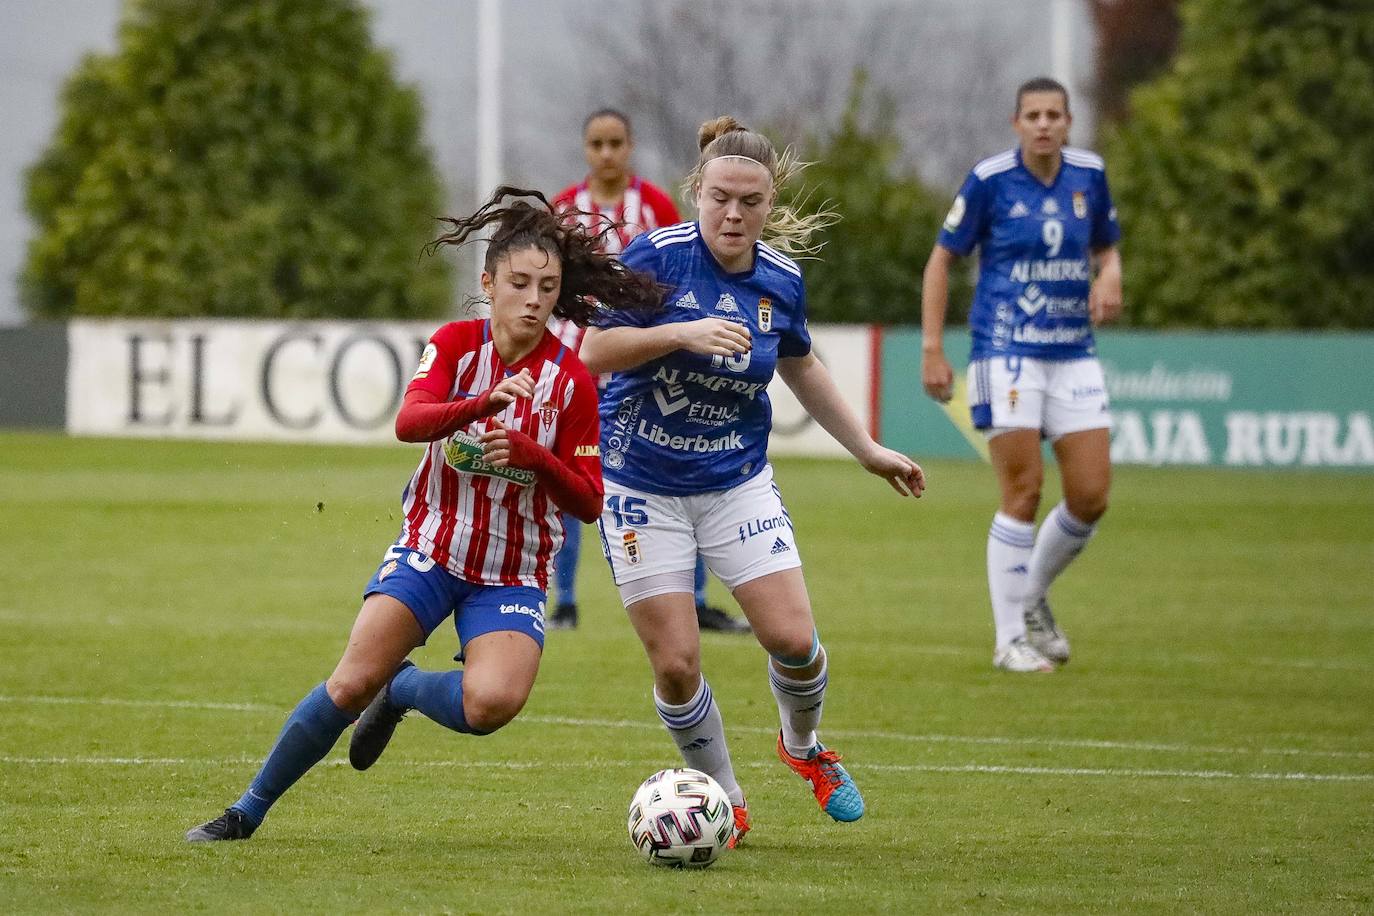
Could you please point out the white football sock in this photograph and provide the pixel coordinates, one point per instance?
(1009, 552)
(799, 706)
(699, 733)
(1061, 538)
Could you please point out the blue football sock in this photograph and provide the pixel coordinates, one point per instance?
(310, 731)
(700, 584)
(565, 564)
(437, 694)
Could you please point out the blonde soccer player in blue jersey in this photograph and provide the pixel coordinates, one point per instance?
(685, 420)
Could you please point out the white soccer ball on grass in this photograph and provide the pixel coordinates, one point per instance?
(680, 818)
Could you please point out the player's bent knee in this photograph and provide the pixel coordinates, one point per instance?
(1088, 509)
(353, 690)
(486, 711)
(794, 650)
(674, 664)
(679, 677)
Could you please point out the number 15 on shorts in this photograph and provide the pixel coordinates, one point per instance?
(628, 511)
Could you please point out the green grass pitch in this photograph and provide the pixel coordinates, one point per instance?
(1209, 748)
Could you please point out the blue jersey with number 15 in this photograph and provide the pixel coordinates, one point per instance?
(684, 423)
(1035, 244)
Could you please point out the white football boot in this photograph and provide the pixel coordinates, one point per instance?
(1021, 657)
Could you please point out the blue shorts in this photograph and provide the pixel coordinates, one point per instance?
(432, 593)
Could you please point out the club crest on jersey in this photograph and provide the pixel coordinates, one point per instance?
(631, 542)
(548, 413)
(1013, 396)
(765, 314)
(1080, 204)
(726, 304)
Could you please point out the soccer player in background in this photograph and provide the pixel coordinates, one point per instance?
(618, 205)
(510, 417)
(685, 424)
(1046, 231)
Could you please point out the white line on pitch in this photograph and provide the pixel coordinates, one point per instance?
(167, 704)
(654, 725)
(981, 739)
(976, 768)
(1117, 773)
(24, 617)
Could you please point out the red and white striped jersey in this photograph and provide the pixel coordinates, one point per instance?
(642, 208)
(485, 524)
(568, 334)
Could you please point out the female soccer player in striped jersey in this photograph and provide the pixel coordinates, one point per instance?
(509, 415)
(1042, 220)
(612, 199)
(685, 424)
(615, 205)
(618, 205)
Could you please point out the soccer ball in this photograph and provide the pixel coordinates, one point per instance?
(680, 818)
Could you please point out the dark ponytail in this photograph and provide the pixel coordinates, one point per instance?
(590, 279)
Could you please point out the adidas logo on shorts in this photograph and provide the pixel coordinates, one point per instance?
(779, 546)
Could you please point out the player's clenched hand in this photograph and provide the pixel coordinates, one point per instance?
(506, 447)
(902, 474)
(715, 337)
(504, 392)
(937, 377)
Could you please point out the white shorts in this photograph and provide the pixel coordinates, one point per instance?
(742, 533)
(1057, 397)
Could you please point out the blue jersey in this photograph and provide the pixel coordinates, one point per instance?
(1035, 245)
(683, 423)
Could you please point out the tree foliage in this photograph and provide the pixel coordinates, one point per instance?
(870, 267)
(1244, 179)
(236, 157)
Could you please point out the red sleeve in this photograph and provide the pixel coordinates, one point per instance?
(427, 414)
(665, 212)
(425, 418)
(571, 471)
(439, 362)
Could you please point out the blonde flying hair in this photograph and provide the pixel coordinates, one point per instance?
(785, 228)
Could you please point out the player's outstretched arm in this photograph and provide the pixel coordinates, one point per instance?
(623, 348)
(811, 382)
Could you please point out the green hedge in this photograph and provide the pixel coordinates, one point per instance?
(1245, 176)
(236, 158)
